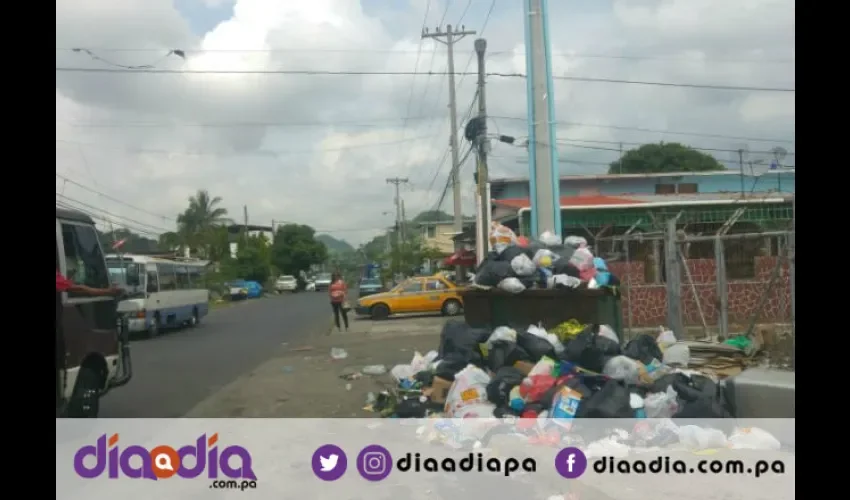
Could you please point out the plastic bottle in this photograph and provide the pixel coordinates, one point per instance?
(636, 402)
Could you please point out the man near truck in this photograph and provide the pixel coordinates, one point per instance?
(63, 284)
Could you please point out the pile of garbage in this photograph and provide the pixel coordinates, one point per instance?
(573, 371)
(516, 264)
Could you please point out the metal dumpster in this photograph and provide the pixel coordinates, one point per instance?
(492, 308)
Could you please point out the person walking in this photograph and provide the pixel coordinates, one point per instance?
(338, 292)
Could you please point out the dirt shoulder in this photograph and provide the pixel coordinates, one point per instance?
(304, 381)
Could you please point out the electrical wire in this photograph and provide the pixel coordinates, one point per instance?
(97, 217)
(267, 152)
(111, 198)
(569, 54)
(68, 199)
(567, 142)
(347, 123)
(305, 72)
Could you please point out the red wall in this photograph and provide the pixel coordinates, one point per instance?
(649, 301)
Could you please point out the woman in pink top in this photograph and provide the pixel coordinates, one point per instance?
(338, 293)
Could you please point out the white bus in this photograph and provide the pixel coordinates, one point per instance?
(163, 293)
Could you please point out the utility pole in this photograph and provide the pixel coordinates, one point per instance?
(741, 166)
(452, 37)
(397, 182)
(483, 146)
(620, 161)
(544, 176)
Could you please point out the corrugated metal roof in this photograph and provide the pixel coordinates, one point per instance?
(644, 199)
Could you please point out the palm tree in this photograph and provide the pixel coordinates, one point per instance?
(196, 225)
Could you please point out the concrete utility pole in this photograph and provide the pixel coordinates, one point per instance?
(483, 146)
(397, 181)
(544, 174)
(452, 37)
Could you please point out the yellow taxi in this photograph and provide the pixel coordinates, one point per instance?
(415, 295)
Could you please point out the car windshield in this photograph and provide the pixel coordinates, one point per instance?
(287, 278)
(324, 277)
(370, 282)
(125, 272)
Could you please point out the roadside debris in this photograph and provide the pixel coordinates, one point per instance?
(338, 353)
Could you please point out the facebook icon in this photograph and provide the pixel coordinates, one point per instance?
(570, 463)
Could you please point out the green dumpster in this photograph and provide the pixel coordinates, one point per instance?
(494, 307)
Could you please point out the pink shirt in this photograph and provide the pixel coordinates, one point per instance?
(337, 291)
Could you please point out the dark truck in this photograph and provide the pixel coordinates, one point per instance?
(369, 286)
(92, 348)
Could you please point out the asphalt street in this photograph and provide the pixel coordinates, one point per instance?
(177, 370)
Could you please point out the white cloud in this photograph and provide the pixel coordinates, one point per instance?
(152, 140)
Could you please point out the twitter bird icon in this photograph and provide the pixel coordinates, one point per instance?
(329, 462)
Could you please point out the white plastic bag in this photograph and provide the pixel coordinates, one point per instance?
(623, 368)
(503, 334)
(512, 285)
(696, 438)
(421, 363)
(665, 337)
(677, 355)
(550, 337)
(402, 372)
(661, 404)
(575, 241)
(753, 438)
(609, 333)
(550, 239)
(468, 389)
(564, 280)
(501, 237)
(523, 265)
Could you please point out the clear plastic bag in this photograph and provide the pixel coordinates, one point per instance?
(661, 404)
(549, 238)
(523, 265)
(468, 389)
(501, 237)
(501, 334)
(575, 241)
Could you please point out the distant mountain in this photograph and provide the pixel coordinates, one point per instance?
(335, 245)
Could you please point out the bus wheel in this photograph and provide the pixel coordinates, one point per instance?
(195, 319)
(153, 329)
(85, 400)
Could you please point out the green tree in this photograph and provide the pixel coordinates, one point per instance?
(664, 157)
(295, 249)
(198, 224)
(252, 262)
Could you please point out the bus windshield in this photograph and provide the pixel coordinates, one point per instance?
(126, 272)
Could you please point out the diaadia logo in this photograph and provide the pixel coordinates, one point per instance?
(163, 462)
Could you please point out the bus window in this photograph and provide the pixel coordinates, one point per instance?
(182, 275)
(196, 276)
(153, 282)
(83, 257)
(167, 279)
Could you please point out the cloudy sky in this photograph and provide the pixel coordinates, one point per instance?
(317, 149)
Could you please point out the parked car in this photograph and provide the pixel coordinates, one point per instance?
(369, 286)
(323, 282)
(416, 295)
(244, 289)
(286, 284)
(310, 286)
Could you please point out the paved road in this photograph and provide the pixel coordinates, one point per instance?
(174, 372)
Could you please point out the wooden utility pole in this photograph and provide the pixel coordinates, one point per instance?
(483, 146)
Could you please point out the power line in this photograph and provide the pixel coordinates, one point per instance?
(568, 54)
(652, 131)
(225, 153)
(713, 150)
(92, 207)
(347, 123)
(305, 72)
(95, 216)
(116, 200)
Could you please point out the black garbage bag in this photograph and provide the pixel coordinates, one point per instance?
(458, 337)
(424, 378)
(563, 266)
(644, 349)
(448, 366)
(535, 346)
(698, 396)
(512, 252)
(411, 408)
(499, 388)
(504, 353)
(492, 272)
(590, 350)
(611, 401)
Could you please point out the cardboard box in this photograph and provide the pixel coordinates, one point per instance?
(439, 389)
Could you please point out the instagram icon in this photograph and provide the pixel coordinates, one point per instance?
(374, 463)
